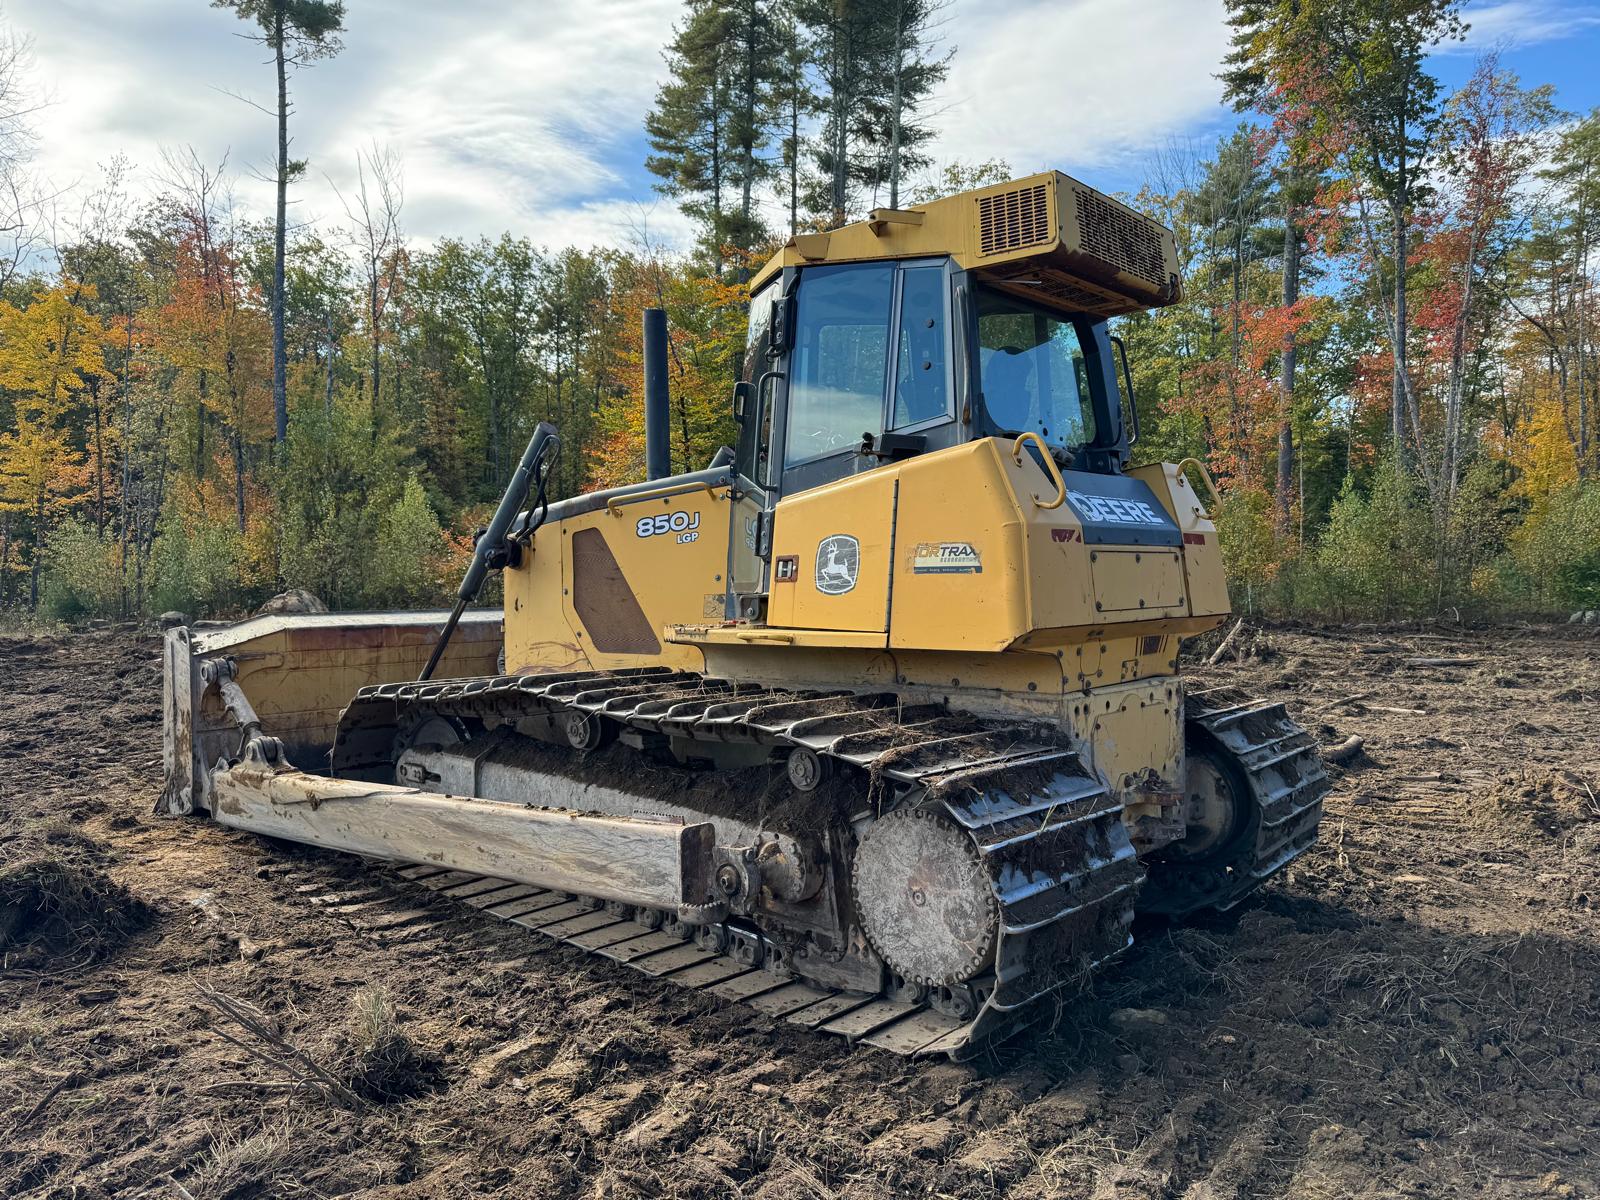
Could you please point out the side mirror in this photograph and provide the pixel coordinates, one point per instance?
(743, 391)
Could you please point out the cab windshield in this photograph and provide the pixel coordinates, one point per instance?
(1035, 379)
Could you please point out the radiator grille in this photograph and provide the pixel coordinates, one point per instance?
(603, 600)
(1013, 220)
(1120, 238)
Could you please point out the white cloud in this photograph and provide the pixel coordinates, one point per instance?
(507, 117)
(528, 117)
(1078, 84)
(1522, 23)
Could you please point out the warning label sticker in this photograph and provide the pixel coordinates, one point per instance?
(946, 558)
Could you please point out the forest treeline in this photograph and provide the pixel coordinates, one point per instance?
(1383, 355)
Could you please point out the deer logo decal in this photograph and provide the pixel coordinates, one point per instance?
(838, 562)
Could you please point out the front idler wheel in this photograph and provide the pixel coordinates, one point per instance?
(1216, 808)
(924, 899)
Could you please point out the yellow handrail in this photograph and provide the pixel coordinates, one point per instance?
(1216, 496)
(1049, 466)
(614, 505)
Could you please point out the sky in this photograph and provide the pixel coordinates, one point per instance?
(527, 117)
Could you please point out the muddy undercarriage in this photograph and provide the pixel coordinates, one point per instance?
(914, 876)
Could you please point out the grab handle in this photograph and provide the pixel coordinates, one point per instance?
(1216, 497)
(614, 507)
(1049, 466)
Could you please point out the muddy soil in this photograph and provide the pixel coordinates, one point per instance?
(1411, 1011)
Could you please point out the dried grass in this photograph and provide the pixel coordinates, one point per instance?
(258, 1162)
(379, 1062)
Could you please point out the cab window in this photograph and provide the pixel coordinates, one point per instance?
(840, 362)
(922, 369)
(1035, 379)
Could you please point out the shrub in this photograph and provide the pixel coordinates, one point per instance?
(1377, 554)
(1555, 555)
(80, 577)
(1249, 545)
(198, 563)
(409, 556)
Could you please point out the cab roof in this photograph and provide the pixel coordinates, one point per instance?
(1046, 237)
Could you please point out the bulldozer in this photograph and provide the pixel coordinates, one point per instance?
(875, 723)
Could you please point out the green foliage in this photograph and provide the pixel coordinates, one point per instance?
(408, 561)
(199, 564)
(1375, 557)
(307, 28)
(80, 574)
(710, 124)
(341, 478)
(1250, 552)
(1556, 552)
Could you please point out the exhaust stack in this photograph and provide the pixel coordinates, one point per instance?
(657, 456)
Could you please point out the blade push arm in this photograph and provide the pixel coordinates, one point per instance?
(492, 550)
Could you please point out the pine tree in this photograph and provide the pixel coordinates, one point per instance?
(793, 104)
(851, 41)
(876, 67)
(711, 121)
(297, 32)
(914, 71)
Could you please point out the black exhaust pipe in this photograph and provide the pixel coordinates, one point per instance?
(657, 452)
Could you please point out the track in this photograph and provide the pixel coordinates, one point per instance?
(1277, 760)
(1042, 831)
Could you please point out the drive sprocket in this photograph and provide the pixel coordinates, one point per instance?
(924, 899)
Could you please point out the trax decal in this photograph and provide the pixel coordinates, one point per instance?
(946, 558)
(838, 563)
(684, 524)
(1111, 511)
(1066, 535)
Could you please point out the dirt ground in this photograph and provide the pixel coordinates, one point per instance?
(1411, 1011)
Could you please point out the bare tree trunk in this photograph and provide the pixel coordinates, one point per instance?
(1399, 339)
(1449, 466)
(1286, 369)
(5, 556)
(99, 460)
(1583, 296)
(200, 426)
(127, 465)
(280, 382)
(748, 133)
(894, 132)
(375, 316)
(333, 350)
(237, 403)
(38, 552)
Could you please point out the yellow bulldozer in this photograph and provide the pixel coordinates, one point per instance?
(874, 724)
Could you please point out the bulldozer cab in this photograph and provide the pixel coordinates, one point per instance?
(852, 365)
(981, 315)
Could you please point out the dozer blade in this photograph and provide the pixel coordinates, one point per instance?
(298, 671)
(660, 864)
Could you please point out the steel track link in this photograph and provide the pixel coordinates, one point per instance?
(1277, 759)
(1050, 837)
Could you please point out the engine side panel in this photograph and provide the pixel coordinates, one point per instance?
(595, 591)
